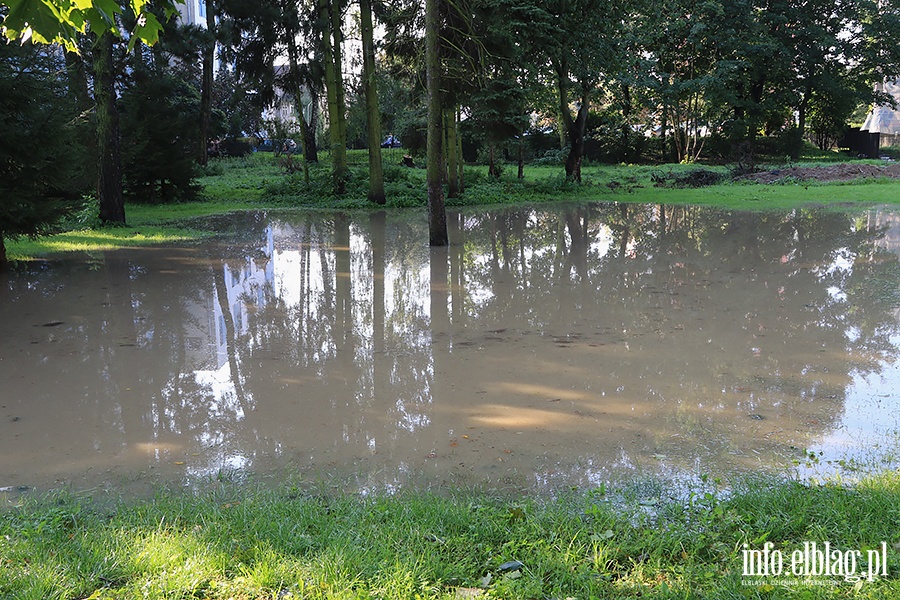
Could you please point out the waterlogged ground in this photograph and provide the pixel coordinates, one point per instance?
(544, 348)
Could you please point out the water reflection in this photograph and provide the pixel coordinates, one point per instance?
(543, 348)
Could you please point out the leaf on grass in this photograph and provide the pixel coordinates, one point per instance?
(512, 565)
(516, 514)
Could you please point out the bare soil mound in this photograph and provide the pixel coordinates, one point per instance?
(837, 172)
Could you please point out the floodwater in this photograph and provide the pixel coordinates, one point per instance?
(545, 348)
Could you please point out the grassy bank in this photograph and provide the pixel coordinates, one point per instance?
(233, 542)
(260, 181)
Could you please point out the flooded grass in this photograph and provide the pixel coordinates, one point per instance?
(257, 181)
(805, 338)
(95, 240)
(235, 541)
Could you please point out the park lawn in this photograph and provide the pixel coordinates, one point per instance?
(258, 182)
(239, 541)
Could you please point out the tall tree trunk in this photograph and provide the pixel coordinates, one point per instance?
(437, 217)
(576, 134)
(4, 264)
(575, 129)
(209, 55)
(330, 16)
(109, 180)
(521, 172)
(452, 162)
(373, 114)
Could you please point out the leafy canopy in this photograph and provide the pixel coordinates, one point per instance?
(60, 21)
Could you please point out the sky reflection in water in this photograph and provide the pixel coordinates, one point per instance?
(544, 348)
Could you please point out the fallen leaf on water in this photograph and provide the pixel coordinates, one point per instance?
(179, 462)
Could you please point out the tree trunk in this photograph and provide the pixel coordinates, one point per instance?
(373, 114)
(4, 264)
(109, 181)
(576, 134)
(452, 162)
(521, 172)
(437, 217)
(334, 86)
(209, 55)
(575, 129)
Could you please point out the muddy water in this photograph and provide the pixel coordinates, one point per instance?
(544, 348)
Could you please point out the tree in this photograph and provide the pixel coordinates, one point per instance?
(331, 38)
(38, 150)
(373, 114)
(206, 86)
(437, 216)
(160, 130)
(261, 33)
(580, 39)
(109, 178)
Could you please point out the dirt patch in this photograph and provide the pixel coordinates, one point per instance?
(838, 172)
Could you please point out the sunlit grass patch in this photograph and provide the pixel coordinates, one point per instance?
(235, 542)
(92, 240)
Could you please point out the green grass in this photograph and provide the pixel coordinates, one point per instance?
(237, 542)
(258, 181)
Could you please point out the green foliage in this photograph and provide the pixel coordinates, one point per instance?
(160, 130)
(612, 542)
(38, 151)
(61, 21)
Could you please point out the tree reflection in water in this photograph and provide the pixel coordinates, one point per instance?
(543, 347)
